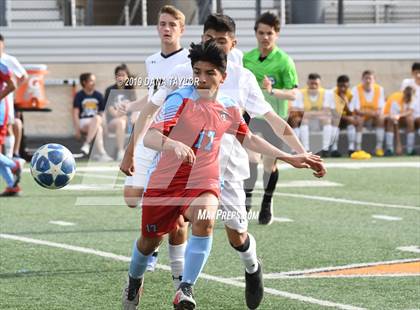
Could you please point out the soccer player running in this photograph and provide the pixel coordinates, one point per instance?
(184, 179)
(10, 169)
(275, 72)
(243, 87)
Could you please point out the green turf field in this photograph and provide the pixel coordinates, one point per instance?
(40, 270)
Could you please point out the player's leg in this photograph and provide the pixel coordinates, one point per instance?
(359, 133)
(270, 179)
(335, 134)
(17, 131)
(380, 133)
(177, 243)
(119, 125)
(326, 135)
(142, 249)
(198, 248)
(352, 123)
(10, 170)
(304, 132)
(409, 123)
(232, 201)
(97, 132)
(9, 141)
(417, 124)
(389, 136)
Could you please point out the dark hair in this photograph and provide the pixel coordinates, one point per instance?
(209, 52)
(269, 19)
(84, 77)
(314, 76)
(220, 23)
(122, 67)
(343, 79)
(415, 66)
(367, 72)
(1, 38)
(408, 93)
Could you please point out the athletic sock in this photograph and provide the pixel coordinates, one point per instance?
(176, 258)
(335, 137)
(248, 254)
(351, 136)
(410, 142)
(359, 140)
(304, 136)
(249, 183)
(380, 132)
(326, 137)
(270, 182)
(196, 255)
(389, 141)
(138, 263)
(9, 143)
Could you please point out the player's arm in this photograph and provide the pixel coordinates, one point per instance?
(283, 94)
(10, 86)
(156, 140)
(76, 123)
(304, 160)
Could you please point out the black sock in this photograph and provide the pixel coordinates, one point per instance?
(270, 182)
(243, 247)
(249, 184)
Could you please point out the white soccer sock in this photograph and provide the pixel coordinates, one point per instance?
(380, 132)
(304, 136)
(335, 137)
(176, 257)
(389, 141)
(9, 143)
(249, 257)
(326, 137)
(351, 136)
(410, 142)
(359, 140)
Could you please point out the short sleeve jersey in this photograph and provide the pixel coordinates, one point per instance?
(200, 124)
(5, 75)
(89, 105)
(279, 68)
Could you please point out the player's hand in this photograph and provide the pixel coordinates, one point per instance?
(310, 161)
(123, 107)
(127, 164)
(184, 152)
(267, 84)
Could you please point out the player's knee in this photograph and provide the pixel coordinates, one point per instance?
(203, 227)
(237, 240)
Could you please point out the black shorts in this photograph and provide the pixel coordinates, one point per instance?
(263, 129)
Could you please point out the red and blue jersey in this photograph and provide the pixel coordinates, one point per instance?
(200, 124)
(5, 75)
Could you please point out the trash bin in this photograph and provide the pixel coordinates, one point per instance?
(308, 12)
(31, 94)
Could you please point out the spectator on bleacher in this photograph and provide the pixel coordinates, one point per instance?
(88, 110)
(398, 112)
(368, 103)
(115, 94)
(14, 132)
(342, 118)
(311, 104)
(414, 82)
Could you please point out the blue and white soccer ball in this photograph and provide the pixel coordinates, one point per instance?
(53, 166)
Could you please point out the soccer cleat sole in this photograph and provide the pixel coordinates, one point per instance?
(184, 305)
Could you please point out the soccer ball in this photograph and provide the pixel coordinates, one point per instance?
(53, 166)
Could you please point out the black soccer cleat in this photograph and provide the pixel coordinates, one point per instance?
(132, 293)
(265, 217)
(254, 288)
(184, 298)
(335, 154)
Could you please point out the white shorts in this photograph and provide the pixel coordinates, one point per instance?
(232, 202)
(143, 158)
(11, 113)
(83, 122)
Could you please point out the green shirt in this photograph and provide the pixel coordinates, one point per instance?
(279, 68)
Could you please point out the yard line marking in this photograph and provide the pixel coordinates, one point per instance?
(61, 223)
(100, 176)
(280, 275)
(231, 282)
(304, 183)
(386, 217)
(92, 187)
(363, 165)
(282, 219)
(412, 249)
(346, 201)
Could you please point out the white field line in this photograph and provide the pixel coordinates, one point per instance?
(282, 219)
(345, 201)
(303, 183)
(362, 165)
(411, 248)
(281, 275)
(386, 217)
(231, 282)
(61, 223)
(391, 275)
(101, 176)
